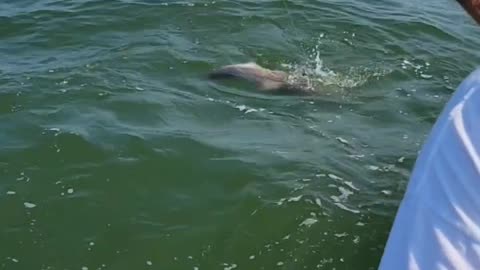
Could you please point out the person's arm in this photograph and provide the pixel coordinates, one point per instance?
(472, 7)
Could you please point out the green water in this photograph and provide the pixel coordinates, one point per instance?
(117, 153)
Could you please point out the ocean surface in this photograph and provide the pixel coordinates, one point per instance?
(117, 152)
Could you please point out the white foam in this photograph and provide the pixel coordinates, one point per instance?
(29, 205)
(295, 199)
(318, 202)
(281, 201)
(341, 206)
(318, 75)
(344, 193)
(350, 185)
(229, 267)
(341, 235)
(334, 177)
(387, 192)
(309, 222)
(356, 239)
(342, 140)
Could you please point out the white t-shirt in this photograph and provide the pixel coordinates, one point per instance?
(438, 223)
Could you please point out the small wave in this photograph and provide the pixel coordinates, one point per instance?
(243, 108)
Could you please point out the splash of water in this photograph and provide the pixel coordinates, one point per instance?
(318, 74)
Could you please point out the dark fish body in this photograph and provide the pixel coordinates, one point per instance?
(267, 80)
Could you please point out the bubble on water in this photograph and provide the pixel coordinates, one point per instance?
(401, 159)
(252, 257)
(280, 263)
(11, 192)
(149, 263)
(84, 268)
(70, 190)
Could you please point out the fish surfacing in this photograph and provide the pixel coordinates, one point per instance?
(273, 81)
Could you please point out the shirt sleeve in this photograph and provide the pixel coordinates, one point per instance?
(437, 225)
